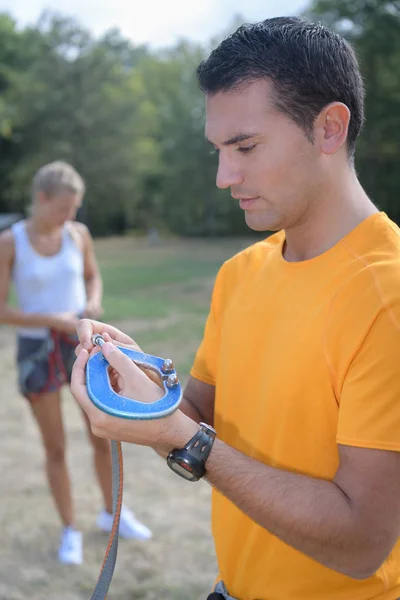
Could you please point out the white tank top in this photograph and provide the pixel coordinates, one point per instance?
(47, 284)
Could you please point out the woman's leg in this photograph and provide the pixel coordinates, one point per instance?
(102, 464)
(129, 526)
(47, 412)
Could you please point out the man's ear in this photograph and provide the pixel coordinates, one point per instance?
(331, 127)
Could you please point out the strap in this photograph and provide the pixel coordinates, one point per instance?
(220, 593)
(108, 566)
(71, 232)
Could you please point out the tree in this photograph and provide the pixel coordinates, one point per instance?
(17, 54)
(373, 27)
(178, 183)
(131, 120)
(74, 103)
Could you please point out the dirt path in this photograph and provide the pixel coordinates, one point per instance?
(177, 564)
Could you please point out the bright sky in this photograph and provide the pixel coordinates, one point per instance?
(156, 22)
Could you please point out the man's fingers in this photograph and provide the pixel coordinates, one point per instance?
(132, 344)
(78, 370)
(87, 327)
(115, 334)
(119, 361)
(78, 380)
(85, 331)
(78, 390)
(93, 350)
(152, 375)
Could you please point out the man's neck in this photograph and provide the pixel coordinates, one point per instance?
(336, 212)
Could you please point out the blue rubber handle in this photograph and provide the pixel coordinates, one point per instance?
(106, 399)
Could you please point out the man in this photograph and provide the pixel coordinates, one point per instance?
(51, 261)
(298, 368)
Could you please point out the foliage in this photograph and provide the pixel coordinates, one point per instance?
(131, 120)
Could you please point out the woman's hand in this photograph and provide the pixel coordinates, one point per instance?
(93, 310)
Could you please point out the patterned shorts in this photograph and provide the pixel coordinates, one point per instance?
(44, 365)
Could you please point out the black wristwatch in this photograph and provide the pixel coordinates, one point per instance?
(190, 462)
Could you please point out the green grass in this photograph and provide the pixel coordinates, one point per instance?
(152, 282)
(165, 271)
(119, 307)
(160, 295)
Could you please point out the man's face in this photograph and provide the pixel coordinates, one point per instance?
(265, 159)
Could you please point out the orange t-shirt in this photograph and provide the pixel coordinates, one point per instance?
(304, 356)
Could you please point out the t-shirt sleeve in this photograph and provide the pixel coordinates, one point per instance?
(369, 412)
(205, 363)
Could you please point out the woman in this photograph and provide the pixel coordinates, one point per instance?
(50, 259)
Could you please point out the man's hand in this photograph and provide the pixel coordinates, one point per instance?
(127, 377)
(161, 434)
(87, 327)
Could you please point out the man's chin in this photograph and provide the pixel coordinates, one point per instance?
(258, 222)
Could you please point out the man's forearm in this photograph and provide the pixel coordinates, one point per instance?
(312, 515)
(190, 411)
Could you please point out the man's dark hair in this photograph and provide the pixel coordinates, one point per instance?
(308, 64)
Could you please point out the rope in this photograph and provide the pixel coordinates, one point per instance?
(110, 557)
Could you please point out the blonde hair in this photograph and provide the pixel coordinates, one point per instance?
(57, 177)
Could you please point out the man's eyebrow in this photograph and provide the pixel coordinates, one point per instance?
(241, 137)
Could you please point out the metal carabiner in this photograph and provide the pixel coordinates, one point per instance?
(106, 399)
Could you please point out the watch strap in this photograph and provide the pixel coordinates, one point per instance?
(201, 443)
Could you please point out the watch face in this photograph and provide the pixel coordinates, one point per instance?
(183, 470)
(183, 463)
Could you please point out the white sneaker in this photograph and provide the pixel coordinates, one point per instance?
(70, 550)
(129, 526)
